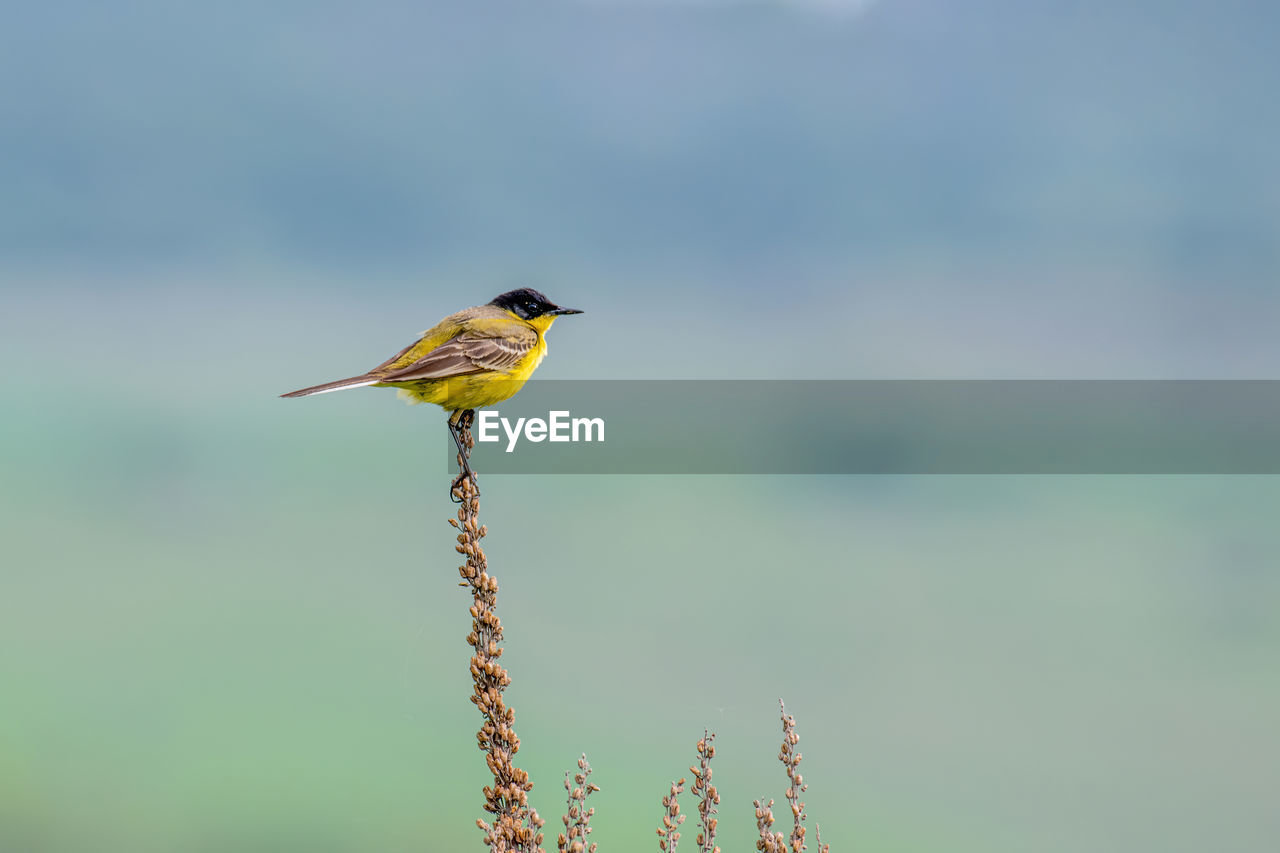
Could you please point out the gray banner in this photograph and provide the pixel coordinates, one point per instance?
(883, 427)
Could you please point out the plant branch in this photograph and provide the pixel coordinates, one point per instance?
(515, 827)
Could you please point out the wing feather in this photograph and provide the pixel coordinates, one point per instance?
(471, 352)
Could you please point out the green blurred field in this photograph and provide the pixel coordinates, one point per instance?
(238, 628)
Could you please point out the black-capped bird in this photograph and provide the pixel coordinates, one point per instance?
(471, 359)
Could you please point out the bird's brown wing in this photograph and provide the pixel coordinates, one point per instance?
(470, 352)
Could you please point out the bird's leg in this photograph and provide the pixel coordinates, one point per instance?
(458, 422)
(463, 466)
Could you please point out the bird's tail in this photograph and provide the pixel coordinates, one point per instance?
(339, 385)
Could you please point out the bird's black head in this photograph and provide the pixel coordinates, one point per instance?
(527, 303)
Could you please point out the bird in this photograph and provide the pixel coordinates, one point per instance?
(474, 358)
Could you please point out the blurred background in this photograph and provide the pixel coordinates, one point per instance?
(230, 622)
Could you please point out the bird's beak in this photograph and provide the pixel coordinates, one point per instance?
(560, 311)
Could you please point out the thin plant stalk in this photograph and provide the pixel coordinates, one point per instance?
(514, 827)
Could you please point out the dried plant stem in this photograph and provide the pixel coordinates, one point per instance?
(776, 842)
(669, 832)
(577, 817)
(708, 796)
(515, 826)
(770, 841)
(791, 760)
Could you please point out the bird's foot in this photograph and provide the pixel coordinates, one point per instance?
(456, 493)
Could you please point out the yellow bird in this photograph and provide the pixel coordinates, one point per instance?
(474, 358)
